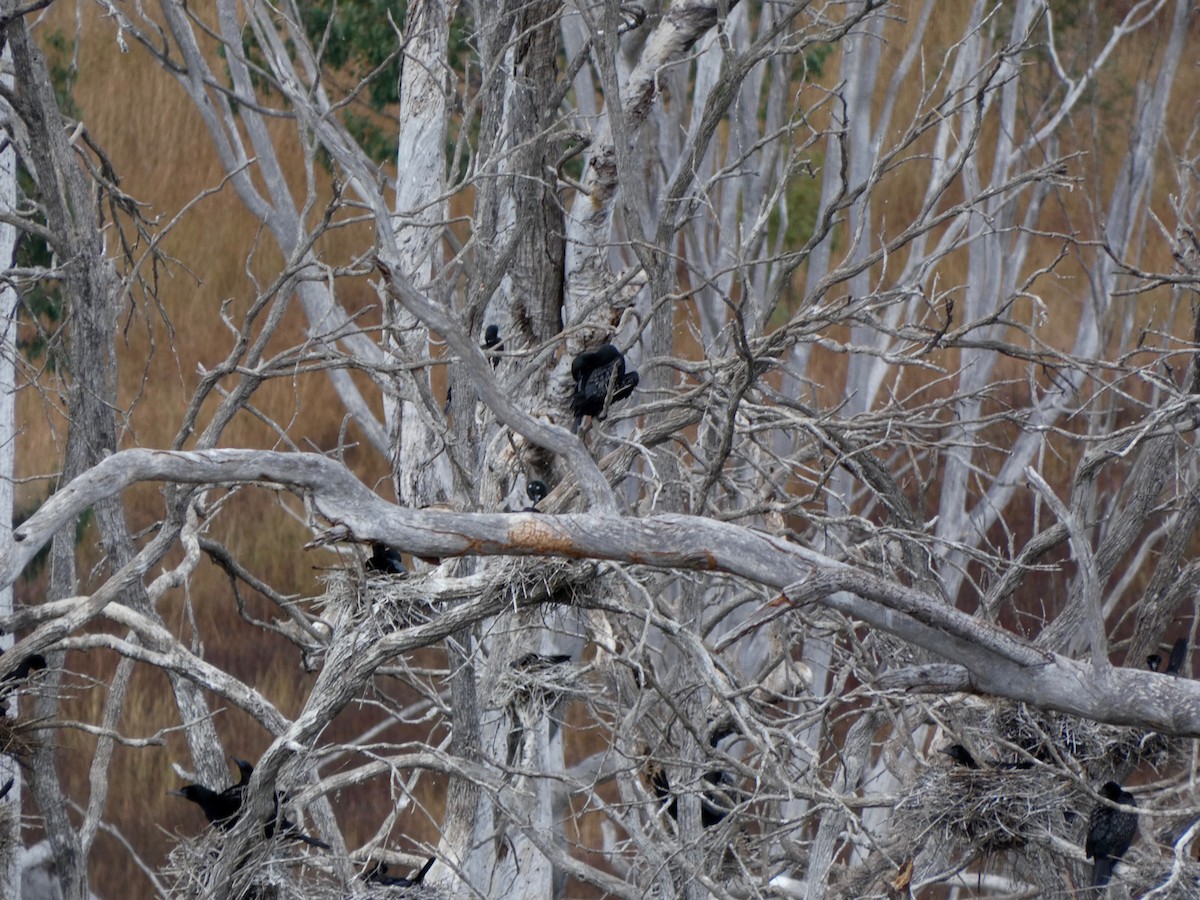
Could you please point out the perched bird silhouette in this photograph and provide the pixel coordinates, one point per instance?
(491, 341)
(540, 661)
(536, 491)
(34, 662)
(961, 755)
(385, 560)
(1153, 661)
(715, 802)
(1110, 832)
(1178, 656)
(595, 372)
(223, 808)
(378, 874)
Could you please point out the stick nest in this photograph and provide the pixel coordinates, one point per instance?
(272, 870)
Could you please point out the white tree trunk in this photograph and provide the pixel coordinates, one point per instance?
(10, 806)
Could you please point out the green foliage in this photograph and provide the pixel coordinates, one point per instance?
(360, 38)
(802, 201)
(357, 39)
(42, 305)
(61, 64)
(814, 61)
(378, 144)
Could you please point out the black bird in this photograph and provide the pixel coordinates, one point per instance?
(540, 661)
(385, 560)
(536, 491)
(288, 827)
(378, 874)
(223, 808)
(961, 755)
(595, 371)
(1110, 832)
(34, 662)
(1153, 661)
(715, 802)
(1178, 657)
(491, 341)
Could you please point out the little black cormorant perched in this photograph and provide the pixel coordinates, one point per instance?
(378, 874)
(594, 372)
(1153, 661)
(536, 491)
(491, 341)
(385, 560)
(222, 808)
(715, 802)
(219, 807)
(961, 755)
(34, 662)
(1178, 657)
(1110, 832)
(540, 661)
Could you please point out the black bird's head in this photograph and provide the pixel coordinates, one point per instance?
(34, 662)
(590, 360)
(536, 490)
(1153, 661)
(246, 770)
(197, 793)
(960, 754)
(491, 336)
(1113, 792)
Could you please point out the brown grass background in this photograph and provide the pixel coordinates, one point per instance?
(164, 157)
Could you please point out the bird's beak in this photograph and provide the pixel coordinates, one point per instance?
(176, 794)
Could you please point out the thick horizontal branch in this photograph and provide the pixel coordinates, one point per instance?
(997, 662)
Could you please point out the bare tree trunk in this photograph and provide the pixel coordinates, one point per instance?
(10, 806)
(94, 293)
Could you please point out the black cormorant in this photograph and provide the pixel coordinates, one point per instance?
(222, 808)
(378, 874)
(1178, 656)
(1110, 832)
(385, 560)
(961, 755)
(491, 341)
(594, 372)
(536, 491)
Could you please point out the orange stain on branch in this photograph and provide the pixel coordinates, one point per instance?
(539, 535)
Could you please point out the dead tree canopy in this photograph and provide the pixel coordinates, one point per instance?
(694, 449)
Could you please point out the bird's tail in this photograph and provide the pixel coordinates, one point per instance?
(578, 422)
(1102, 871)
(311, 841)
(420, 876)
